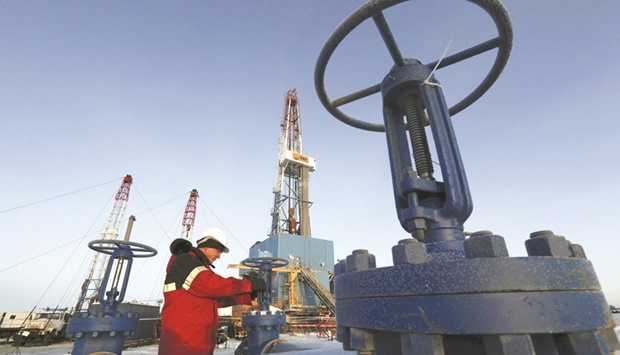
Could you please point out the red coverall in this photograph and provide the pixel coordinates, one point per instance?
(192, 295)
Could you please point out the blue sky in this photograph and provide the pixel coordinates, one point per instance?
(190, 94)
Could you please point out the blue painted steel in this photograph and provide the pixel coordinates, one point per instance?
(487, 303)
(114, 296)
(438, 208)
(314, 253)
(105, 331)
(148, 323)
(447, 294)
(263, 326)
(484, 313)
(99, 333)
(470, 276)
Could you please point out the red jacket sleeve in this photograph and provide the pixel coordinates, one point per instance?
(203, 282)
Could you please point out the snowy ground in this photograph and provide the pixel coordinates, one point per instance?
(323, 346)
(65, 348)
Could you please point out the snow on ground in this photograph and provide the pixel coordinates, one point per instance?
(323, 346)
(65, 348)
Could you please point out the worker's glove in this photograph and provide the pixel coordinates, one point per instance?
(180, 246)
(258, 285)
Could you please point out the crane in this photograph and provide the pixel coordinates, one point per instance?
(187, 226)
(291, 206)
(95, 274)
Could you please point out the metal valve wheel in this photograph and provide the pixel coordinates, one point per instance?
(264, 262)
(503, 42)
(110, 246)
(264, 265)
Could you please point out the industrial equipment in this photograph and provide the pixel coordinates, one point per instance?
(189, 216)
(45, 327)
(89, 292)
(454, 295)
(295, 290)
(105, 331)
(11, 322)
(291, 207)
(263, 326)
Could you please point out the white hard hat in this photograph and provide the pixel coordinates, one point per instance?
(213, 234)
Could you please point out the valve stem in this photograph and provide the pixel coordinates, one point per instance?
(417, 135)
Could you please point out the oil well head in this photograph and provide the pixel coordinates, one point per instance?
(263, 325)
(448, 293)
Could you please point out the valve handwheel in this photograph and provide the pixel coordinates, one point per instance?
(109, 246)
(258, 262)
(374, 8)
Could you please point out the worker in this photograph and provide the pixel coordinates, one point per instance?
(193, 293)
(292, 222)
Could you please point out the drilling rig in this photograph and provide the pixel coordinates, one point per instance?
(291, 207)
(302, 287)
(92, 283)
(187, 226)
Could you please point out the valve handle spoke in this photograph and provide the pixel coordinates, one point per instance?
(388, 38)
(467, 53)
(357, 95)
